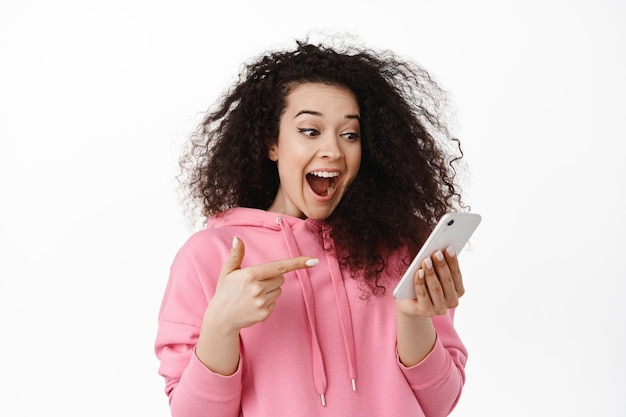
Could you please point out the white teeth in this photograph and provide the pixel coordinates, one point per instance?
(325, 174)
(330, 189)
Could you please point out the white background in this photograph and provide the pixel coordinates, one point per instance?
(96, 100)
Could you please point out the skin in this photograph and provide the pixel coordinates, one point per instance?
(438, 287)
(243, 297)
(319, 131)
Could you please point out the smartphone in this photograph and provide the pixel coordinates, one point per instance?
(453, 229)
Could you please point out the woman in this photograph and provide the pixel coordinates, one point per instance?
(320, 173)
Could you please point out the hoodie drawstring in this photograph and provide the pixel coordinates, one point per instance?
(319, 374)
(341, 298)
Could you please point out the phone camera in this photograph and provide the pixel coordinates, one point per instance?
(450, 222)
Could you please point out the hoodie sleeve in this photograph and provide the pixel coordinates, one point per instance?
(193, 390)
(438, 380)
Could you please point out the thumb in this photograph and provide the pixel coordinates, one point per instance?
(233, 261)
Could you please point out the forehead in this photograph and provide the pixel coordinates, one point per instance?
(320, 94)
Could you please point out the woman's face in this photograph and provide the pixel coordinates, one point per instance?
(318, 151)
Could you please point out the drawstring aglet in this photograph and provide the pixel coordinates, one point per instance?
(323, 400)
(353, 384)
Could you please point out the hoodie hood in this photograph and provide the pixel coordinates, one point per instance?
(289, 227)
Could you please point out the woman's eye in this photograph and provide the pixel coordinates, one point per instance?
(308, 131)
(352, 136)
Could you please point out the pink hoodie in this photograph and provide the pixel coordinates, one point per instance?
(325, 351)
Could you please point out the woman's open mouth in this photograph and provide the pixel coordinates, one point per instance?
(322, 182)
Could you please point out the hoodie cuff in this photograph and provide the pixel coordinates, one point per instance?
(204, 383)
(432, 369)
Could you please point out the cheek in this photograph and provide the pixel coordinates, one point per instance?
(288, 168)
(355, 160)
(294, 158)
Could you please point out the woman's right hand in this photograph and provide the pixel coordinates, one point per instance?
(243, 297)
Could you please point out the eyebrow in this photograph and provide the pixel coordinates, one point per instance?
(316, 113)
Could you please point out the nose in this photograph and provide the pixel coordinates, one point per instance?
(330, 147)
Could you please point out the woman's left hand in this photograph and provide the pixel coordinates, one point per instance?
(438, 286)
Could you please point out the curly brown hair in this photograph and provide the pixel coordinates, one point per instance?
(407, 177)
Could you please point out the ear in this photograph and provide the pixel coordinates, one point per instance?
(272, 153)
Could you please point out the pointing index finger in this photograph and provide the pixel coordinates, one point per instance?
(282, 266)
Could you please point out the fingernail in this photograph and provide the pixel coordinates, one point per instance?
(312, 262)
(439, 255)
(235, 242)
(450, 251)
(429, 263)
(420, 273)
